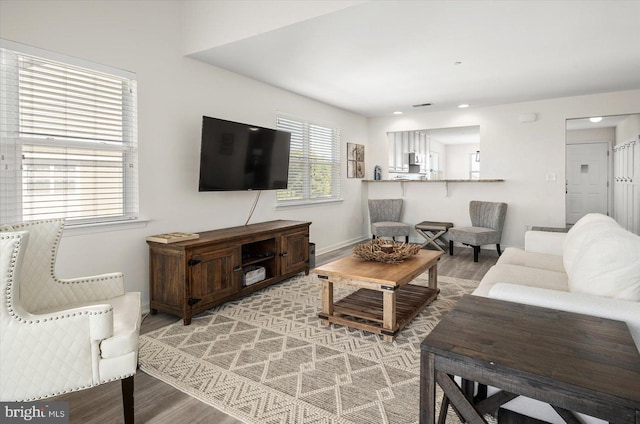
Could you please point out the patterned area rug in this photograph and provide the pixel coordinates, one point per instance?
(267, 359)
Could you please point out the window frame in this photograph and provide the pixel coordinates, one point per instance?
(307, 162)
(12, 142)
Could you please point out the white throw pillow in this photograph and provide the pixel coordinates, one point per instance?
(608, 266)
(587, 230)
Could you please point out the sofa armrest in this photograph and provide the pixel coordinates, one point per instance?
(544, 242)
(604, 307)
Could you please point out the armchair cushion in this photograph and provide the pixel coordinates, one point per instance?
(126, 326)
(475, 236)
(390, 229)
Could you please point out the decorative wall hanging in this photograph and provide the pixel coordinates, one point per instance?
(355, 160)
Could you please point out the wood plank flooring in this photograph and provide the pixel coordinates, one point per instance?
(158, 402)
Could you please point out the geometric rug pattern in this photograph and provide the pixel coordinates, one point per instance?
(266, 358)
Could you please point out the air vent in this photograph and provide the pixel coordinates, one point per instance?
(422, 105)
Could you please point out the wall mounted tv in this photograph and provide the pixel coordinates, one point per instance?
(236, 156)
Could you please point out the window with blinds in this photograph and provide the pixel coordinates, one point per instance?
(68, 142)
(314, 162)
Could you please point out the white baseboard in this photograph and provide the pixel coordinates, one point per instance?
(340, 245)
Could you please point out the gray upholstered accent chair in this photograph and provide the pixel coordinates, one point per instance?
(385, 219)
(487, 220)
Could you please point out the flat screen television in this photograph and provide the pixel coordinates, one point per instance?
(236, 156)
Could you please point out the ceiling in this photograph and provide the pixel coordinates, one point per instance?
(378, 57)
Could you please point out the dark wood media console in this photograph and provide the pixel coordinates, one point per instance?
(189, 277)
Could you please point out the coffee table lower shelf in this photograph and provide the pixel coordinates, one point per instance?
(364, 309)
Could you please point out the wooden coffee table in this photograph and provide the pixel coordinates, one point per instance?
(386, 301)
(574, 362)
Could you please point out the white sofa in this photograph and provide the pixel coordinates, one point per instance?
(593, 269)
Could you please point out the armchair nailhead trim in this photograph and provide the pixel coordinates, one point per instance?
(12, 268)
(14, 258)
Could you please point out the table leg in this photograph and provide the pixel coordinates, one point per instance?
(427, 388)
(327, 300)
(389, 314)
(433, 277)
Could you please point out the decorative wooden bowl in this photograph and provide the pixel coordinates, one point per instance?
(387, 251)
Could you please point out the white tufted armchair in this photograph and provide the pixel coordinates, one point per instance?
(59, 336)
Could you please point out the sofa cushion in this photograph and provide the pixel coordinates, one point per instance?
(515, 256)
(609, 266)
(585, 232)
(518, 274)
(580, 303)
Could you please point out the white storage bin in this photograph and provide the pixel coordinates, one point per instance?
(253, 274)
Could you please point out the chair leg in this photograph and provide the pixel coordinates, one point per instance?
(450, 247)
(406, 239)
(498, 249)
(127, 399)
(373, 237)
(476, 252)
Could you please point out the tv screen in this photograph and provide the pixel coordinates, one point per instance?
(236, 156)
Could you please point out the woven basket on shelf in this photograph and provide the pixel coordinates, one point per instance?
(387, 251)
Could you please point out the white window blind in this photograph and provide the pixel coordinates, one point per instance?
(314, 162)
(68, 141)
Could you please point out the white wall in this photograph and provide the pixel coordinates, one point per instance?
(589, 135)
(524, 154)
(628, 130)
(174, 92)
(458, 165)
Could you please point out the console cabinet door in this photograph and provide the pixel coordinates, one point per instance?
(214, 275)
(295, 252)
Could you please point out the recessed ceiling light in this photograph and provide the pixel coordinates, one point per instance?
(397, 112)
(463, 105)
(596, 119)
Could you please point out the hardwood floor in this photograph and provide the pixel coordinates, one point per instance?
(158, 402)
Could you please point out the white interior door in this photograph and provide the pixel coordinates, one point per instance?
(587, 176)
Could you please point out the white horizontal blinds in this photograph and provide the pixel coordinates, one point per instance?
(61, 102)
(314, 162)
(72, 183)
(297, 184)
(77, 134)
(324, 163)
